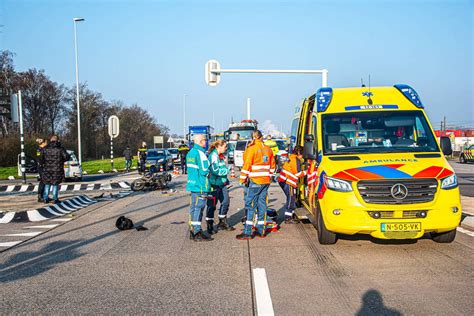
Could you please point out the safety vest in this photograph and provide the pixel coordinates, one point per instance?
(291, 171)
(312, 173)
(142, 153)
(259, 163)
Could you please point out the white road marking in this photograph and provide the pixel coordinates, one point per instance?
(23, 188)
(10, 188)
(7, 218)
(29, 234)
(61, 219)
(77, 187)
(465, 231)
(42, 226)
(262, 292)
(10, 243)
(35, 216)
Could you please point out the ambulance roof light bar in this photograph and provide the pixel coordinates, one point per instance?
(213, 72)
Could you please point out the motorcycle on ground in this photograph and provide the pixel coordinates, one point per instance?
(151, 180)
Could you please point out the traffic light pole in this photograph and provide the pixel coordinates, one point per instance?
(112, 152)
(213, 72)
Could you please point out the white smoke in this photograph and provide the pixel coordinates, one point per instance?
(268, 128)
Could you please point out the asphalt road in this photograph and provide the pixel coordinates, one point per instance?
(87, 266)
(465, 173)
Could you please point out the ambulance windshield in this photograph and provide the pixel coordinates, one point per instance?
(377, 132)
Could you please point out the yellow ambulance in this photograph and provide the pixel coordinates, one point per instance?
(374, 166)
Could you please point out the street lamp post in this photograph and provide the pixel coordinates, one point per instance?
(184, 116)
(79, 150)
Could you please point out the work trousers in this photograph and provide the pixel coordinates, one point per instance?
(256, 202)
(219, 194)
(198, 203)
(290, 204)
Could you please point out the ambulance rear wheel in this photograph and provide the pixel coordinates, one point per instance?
(444, 238)
(325, 237)
(462, 159)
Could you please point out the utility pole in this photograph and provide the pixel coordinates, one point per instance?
(444, 122)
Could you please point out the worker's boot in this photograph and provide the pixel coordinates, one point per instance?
(223, 225)
(201, 236)
(210, 228)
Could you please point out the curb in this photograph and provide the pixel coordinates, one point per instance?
(48, 212)
(67, 187)
(468, 221)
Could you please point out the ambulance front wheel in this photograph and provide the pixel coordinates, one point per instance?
(444, 238)
(325, 237)
(462, 159)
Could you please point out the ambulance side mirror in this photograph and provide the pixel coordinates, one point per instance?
(446, 147)
(308, 148)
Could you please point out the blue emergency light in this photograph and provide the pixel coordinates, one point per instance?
(410, 94)
(323, 98)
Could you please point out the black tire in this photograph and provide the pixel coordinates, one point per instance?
(444, 238)
(462, 159)
(137, 185)
(325, 237)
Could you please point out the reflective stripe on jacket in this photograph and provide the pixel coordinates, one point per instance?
(291, 171)
(198, 171)
(218, 169)
(312, 173)
(259, 163)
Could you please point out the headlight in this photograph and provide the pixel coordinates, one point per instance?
(450, 182)
(161, 160)
(338, 185)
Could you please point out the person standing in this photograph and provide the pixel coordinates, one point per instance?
(219, 183)
(290, 173)
(142, 151)
(53, 158)
(127, 154)
(259, 165)
(39, 152)
(183, 150)
(199, 186)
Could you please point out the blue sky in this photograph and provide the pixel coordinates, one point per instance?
(153, 52)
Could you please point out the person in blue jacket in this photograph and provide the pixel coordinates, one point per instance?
(219, 183)
(198, 184)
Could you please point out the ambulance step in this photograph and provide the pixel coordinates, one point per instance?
(303, 214)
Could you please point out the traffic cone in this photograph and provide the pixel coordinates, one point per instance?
(232, 172)
(176, 170)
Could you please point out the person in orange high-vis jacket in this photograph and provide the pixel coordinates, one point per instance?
(259, 166)
(290, 174)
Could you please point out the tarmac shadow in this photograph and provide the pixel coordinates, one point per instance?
(372, 304)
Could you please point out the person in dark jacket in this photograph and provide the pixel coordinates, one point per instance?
(127, 154)
(53, 159)
(142, 152)
(39, 152)
(183, 152)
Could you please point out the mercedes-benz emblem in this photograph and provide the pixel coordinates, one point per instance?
(399, 191)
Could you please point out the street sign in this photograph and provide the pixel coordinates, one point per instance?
(212, 78)
(158, 139)
(170, 140)
(114, 126)
(14, 108)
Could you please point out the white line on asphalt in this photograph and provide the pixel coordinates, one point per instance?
(465, 231)
(35, 216)
(9, 243)
(23, 188)
(61, 219)
(77, 187)
(262, 292)
(42, 226)
(10, 188)
(7, 217)
(30, 234)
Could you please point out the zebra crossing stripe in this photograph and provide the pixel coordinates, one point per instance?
(9, 244)
(7, 217)
(63, 188)
(35, 216)
(29, 234)
(42, 226)
(77, 187)
(23, 188)
(49, 209)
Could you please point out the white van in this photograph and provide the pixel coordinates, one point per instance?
(239, 149)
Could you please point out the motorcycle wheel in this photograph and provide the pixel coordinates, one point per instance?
(137, 185)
